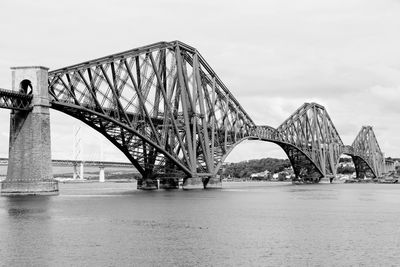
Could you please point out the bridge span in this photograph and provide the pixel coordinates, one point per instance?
(171, 115)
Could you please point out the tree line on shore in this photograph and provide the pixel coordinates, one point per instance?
(244, 169)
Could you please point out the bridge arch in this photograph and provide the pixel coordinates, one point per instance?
(305, 169)
(362, 167)
(118, 134)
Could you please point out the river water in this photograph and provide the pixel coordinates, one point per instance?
(244, 224)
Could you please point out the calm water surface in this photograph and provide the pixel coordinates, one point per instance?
(244, 224)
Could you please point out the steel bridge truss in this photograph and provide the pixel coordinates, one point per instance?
(162, 105)
(310, 141)
(165, 108)
(367, 156)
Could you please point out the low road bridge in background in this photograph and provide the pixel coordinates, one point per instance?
(78, 166)
(88, 163)
(171, 115)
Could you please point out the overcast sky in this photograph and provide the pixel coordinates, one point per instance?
(272, 55)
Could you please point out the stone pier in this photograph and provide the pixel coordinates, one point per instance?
(193, 183)
(147, 183)
(29, 169)
(213, 183)
(102, 177)
(169, 182)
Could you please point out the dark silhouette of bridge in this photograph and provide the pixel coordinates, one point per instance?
(171, 115)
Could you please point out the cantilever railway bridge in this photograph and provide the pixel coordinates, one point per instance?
(168, 111)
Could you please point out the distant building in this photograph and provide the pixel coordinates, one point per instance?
(264, 175)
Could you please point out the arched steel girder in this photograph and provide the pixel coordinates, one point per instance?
(363, 168)
(304, 167)
(105, 124)
(366, 146)
(305, 170)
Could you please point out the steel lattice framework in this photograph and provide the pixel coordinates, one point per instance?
(366, 153)
(317, 143)
(165, 108)
(13, 100)
(162, 105)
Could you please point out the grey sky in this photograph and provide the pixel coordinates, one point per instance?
(272, 55)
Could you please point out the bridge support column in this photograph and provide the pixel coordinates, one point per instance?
(169, 182)
(170, 179)
(78, 174)
(101, 175)
(193, 183)
(148, 182)
(81, 172)
(213, 182)
(29, 169)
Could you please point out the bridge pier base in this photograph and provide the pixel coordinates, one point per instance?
(193, 183)
(147, 184)
(101, 175)
(29, 170)
(213, 183)
(170, 179)
(169, 183)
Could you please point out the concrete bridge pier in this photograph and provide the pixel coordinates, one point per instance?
(29, 169)
(78, 174)
(202, 182)
(168, 181)
(101, 175)
(213, 182)
(196, 182)
(147, 182)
